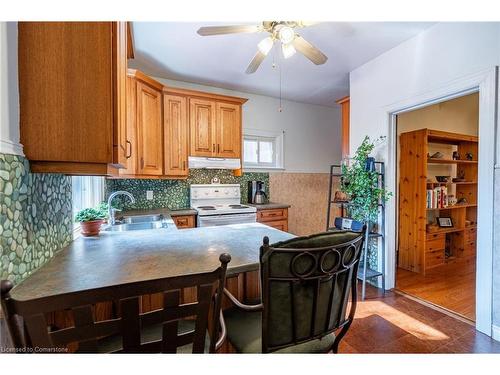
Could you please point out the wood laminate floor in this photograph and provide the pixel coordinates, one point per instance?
(393, 323)
(452, 286)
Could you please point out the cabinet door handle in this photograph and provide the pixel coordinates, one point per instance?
(184, 165)
(129, 154)
(218, 148)
(213, 147)
(142, 163)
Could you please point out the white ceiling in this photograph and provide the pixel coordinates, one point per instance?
(174, 50)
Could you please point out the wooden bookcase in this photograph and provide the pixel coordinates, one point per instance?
(419, 249)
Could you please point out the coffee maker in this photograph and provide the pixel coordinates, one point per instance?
(256, 192)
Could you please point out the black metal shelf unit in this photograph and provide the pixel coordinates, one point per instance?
(364, 272)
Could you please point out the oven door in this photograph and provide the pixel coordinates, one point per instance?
(214, 220)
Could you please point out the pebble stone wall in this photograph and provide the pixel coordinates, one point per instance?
(36, 218)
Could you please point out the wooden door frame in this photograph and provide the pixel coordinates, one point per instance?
(484, 82)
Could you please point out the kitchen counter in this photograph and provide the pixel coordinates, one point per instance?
(269, 206)
(115, 258)
(159, 211)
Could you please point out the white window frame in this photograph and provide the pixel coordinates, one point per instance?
(91, 194)
(278, 137)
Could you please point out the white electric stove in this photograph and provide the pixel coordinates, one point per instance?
(219, 204)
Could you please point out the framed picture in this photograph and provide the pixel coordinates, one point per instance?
(445, 222)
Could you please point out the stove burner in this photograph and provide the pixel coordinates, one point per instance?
(206, 208)
(237, 206)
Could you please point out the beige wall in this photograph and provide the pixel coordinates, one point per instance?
(460, 115)
(307, 193)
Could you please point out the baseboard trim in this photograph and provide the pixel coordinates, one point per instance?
(8, 147)
(495, 332)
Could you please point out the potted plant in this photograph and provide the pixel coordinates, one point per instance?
(90, 220)
(359, 183)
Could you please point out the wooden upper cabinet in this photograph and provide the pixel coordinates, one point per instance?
(144, 127)
(176, 131)
(228, 130)
(72, 96)
(202, 127)
(149, 130)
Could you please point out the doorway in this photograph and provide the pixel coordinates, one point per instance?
(437, 189)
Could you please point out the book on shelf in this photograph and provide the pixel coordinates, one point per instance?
(437, 197)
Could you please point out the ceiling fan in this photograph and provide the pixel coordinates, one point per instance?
(283, 31)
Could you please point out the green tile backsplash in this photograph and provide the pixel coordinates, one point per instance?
(174, 194)
(35, 220)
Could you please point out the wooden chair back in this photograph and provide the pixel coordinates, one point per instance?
(129, 321)
(305, 291)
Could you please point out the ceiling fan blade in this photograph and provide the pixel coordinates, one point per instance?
(309, 51)
(220, 30)
(255, 63)
(302, 24)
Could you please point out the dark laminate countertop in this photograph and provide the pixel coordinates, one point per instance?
(122, 257)
(270, 206)
(162, 211)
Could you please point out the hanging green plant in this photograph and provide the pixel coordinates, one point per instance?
(360, 183)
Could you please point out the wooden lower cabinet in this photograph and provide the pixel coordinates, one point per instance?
(185, 221)
(276, 218)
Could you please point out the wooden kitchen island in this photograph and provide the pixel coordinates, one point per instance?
(116, 258)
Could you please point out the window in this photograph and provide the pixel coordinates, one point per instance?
(88, 191)
(262, 149)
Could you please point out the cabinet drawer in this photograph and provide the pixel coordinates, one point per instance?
(182, 222)
(434, 258)
(272, 215)
(435, 242)
(278, 224)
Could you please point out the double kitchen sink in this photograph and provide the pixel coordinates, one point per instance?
(141, 222)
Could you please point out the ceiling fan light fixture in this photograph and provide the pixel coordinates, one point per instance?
(288, 50)
(286, 34)
(265, 45)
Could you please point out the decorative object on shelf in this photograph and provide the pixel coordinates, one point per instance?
(460, 176)
(462, 200)
(341, 197)
(442, 178)
(344, 223)
(456, 155)
(469, 156)
(90, 220)
(458, 179)
(452, 200)
(431, 228)
(370, 164)
(437, 155)
(361, 185)
(445, 222)
(468, 223)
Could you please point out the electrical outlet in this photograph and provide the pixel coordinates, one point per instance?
(149, 195)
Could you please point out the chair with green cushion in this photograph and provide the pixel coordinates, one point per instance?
(306, 282)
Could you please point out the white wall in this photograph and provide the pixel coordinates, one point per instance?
(312, 132)
(9, 92)
(433, 58)
(429, 61)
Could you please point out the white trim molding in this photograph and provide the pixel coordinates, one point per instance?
(495, 334)
(484, 82)
(9, 147)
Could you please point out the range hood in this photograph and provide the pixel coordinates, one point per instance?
(214, 163)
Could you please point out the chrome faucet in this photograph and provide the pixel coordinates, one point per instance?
(111, 210)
